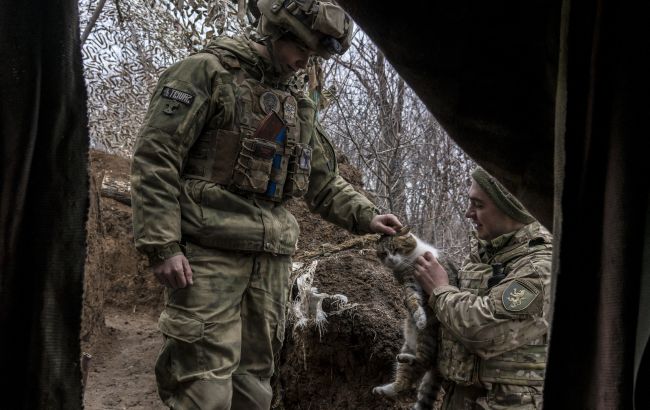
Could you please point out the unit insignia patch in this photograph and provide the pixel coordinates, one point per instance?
(517, 297)
(269, 102)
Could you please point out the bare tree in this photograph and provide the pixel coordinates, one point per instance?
(410, 164)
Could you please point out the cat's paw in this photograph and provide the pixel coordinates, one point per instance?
(387, 390)
(406, 358)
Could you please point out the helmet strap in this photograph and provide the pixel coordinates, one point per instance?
(315, 82)
(268, 42)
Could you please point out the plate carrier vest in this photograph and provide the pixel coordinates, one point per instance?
(261, 147)
(524, 365)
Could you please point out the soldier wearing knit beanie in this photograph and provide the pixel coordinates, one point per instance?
(503, 199)
(493, 311)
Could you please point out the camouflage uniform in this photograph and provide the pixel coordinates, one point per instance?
(199, 181)
(494, 335)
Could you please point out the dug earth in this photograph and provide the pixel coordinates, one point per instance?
(326, 364)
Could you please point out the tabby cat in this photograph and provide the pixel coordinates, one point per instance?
(416, 362)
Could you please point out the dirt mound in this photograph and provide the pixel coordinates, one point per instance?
(128, 283)
(335, 368)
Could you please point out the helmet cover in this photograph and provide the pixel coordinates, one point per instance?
(324, 27)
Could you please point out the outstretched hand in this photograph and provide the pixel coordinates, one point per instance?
(430, 273)
(174, 272)
(387, 223)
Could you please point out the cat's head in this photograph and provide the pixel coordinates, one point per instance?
(392, 249)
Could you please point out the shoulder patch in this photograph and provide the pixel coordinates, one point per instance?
(269, 102)
(177, 95)
(517, 297)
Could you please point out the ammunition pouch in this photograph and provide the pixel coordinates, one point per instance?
(298, 172)
(252, 170)
(524, 366)
(455, 362)
(245, 165)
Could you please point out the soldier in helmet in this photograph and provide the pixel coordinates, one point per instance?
(492, 351)
(226, 141)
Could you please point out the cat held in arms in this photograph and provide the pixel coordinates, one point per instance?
(416, 362)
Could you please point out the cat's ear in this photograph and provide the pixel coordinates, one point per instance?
(404, 231)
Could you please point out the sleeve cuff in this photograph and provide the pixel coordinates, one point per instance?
(159, 254)
(439, 291)
(363, 224)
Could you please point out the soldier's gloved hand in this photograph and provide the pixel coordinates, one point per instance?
(387, 223)
(174, 272)
(430, 273)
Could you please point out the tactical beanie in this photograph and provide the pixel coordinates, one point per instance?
(503, 199)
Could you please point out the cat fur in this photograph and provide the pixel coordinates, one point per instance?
(416, 362)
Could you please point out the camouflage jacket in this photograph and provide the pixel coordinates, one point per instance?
(506, 322)
(191, 97)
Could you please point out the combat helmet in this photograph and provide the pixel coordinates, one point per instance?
(321, 25)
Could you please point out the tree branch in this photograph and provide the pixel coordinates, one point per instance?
(92, 21)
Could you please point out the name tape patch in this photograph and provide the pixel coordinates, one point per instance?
(178, 95)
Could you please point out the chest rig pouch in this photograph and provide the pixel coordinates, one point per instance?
(264, 151)
(455, 361)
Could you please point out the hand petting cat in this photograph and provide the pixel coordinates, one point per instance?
(387, 224)
(429, 273)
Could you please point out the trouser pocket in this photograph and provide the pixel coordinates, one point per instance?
(181, 356)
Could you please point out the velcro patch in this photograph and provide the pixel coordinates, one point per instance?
(517, 297)
(178, 95)
(269, 102)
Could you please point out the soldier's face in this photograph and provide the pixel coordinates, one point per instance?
(290, 55)
(489, 221)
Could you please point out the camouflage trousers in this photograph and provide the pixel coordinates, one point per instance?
(499, 397)
(223, 333)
